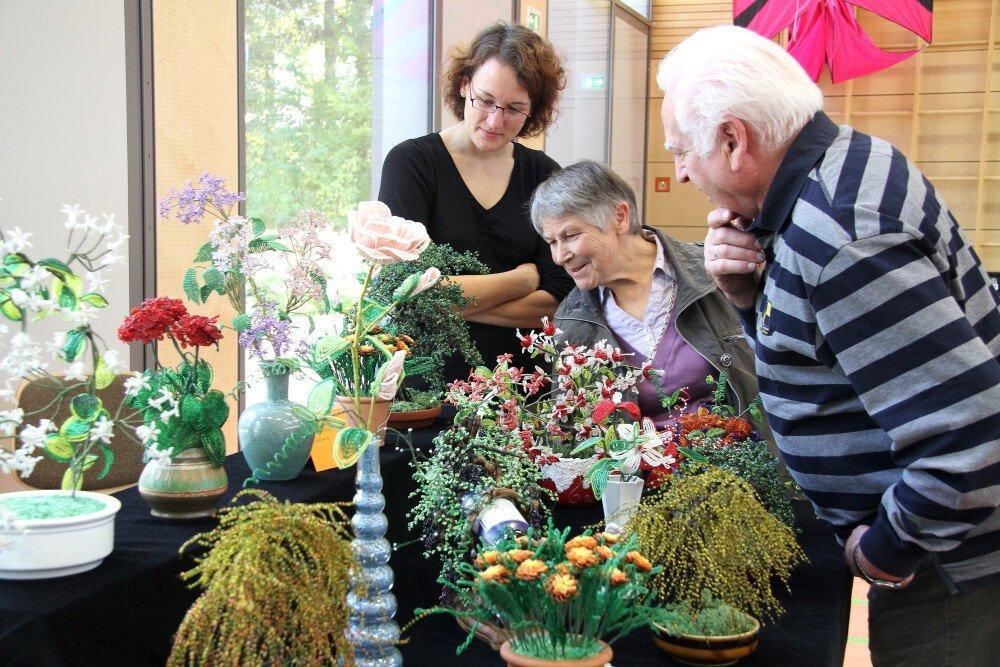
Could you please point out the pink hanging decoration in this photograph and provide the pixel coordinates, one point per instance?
(827, 31)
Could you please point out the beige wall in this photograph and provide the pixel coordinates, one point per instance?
(63, 132)
(196, 130)
(941, 108)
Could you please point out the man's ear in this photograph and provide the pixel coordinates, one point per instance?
(463, 88)
(735, 137)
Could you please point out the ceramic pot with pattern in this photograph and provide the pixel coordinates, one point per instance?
(186, 486)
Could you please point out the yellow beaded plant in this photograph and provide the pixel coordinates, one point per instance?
(709, 532)
(275, 580)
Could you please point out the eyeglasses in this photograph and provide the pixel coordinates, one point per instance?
(490, 107)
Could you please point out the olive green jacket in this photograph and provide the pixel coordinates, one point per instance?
(705, 320)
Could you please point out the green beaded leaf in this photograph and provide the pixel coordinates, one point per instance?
(321, 397)
(74, 482)
(214, 280)
(86, 406)
(73, 282)
(73, 344)
(63, 295)
(192, 413)
(204, 253)
(598, 475)
(215, 412)
(190, 285)
(330, 348)
(202, 374)
(58, 448)
(214, 444)
(258, 226)
(94, 299)
(103, 376)
(586, 445)
(10, 311)
(241, 322)
(75, 429)
(402, 293)
(16, 263)
(349, 444)
(109, 458)
(55, 267)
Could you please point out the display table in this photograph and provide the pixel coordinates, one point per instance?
(126, 611)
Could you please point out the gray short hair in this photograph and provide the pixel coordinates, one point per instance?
(731, 72)
(587, 190)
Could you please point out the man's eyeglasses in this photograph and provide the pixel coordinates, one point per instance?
(490, 107)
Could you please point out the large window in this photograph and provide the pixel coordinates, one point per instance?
(308, 104)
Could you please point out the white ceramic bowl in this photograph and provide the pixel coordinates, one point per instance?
(58, 547)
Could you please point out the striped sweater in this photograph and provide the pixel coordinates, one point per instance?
(877, 337)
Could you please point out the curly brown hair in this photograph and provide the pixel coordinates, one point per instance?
(531, 56)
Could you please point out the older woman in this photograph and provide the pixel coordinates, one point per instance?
(470, 183)
(638, 288)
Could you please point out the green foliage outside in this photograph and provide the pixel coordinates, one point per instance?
(308, 106)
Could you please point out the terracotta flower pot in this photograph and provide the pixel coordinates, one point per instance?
(517, 660)
(703, 650)
(348, 412)
(414, 418)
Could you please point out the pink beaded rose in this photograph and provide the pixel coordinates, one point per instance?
(383, 238)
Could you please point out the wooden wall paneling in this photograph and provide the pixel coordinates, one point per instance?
(196, 130)
(940, 107)
(981, 194)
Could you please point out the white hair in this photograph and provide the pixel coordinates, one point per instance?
(587, 190)
(729, 72)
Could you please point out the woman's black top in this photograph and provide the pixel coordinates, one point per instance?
(421, 182)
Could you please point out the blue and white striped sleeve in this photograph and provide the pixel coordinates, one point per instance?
(885, 311)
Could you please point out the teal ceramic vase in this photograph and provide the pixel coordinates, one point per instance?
(276, 435)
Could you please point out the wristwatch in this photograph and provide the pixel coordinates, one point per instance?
(875, 583)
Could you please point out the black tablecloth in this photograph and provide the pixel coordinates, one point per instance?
(126, 611)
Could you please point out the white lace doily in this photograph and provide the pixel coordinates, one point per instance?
(566, 470)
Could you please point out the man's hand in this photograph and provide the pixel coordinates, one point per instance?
(733, 258)
(872, 571)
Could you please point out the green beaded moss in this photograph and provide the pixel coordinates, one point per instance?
(50, 507)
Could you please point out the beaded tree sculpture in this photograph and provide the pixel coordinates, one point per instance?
(275, 580)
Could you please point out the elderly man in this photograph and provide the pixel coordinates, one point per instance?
(876, 335)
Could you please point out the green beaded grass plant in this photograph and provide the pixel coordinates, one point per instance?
(275, 580)
(709, 532)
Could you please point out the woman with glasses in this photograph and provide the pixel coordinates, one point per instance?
(470, 184)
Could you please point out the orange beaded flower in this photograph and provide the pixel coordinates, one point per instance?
(561, 586)
(531, 570)
(639, 561)
(586, 541)
(495, 573)
(618, 577)
(519, 555)
(487, 558)
(581, 557)
(603, 551)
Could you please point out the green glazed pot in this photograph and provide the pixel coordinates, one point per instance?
(275, 436)
(188, 486)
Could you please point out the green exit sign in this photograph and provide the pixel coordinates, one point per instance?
(594, 82)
